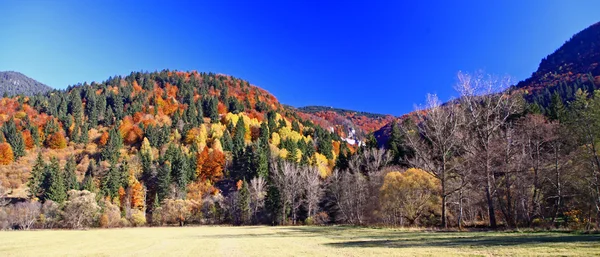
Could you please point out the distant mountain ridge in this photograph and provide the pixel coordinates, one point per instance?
(15, 83)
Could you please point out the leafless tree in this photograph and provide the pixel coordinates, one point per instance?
(436, 142)
(24, 214)
(312, 188)
(258, 192)
(486, 108)
(349, 193)
(286, 177)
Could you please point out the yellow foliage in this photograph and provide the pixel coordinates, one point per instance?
(322, 164)
(288, 133)
(283, 153)
(216, 130)
(298, 155)
(275, 139)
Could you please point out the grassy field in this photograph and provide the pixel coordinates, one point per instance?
(291, 241)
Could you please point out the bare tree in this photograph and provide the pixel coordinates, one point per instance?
(258, 192)
(486, 108)
(436, 141)
(349, 193)
(312, 188)
(286, 177)
(24, 214)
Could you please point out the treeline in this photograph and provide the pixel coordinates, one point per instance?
(502, 164)
(226, 153)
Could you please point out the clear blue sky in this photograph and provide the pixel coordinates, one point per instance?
(379, 57)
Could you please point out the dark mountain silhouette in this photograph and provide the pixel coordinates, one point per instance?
(15, 83)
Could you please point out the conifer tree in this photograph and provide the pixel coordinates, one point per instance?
(35, 183)
(54, 185)
(70, 178)
(14, 138)
(164, 181)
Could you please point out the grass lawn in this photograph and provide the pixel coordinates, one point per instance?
(291, 241)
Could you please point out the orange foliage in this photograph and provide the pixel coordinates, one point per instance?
(6, 154)
(130, 133)
(210, 165)
(103, 139)
(239, 184)
(221, 108)
(336, 147)
(197, 189)
(28, 139)
(122, 198)
(137, 196)
(56, 141)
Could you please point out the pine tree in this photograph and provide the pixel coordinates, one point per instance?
(14, 138)
(164, 181)
(557, 110)
(111, 181)
(35, 183)
(70, 178)
(88, 180)
(54, 185)
(226, 141)
(396, 144)
(111, 149)
(243, 204)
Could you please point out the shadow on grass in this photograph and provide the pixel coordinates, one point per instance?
(471, 240)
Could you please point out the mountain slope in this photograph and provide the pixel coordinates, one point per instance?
(572, 62)
(15, 83)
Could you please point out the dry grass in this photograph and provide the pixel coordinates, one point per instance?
(291, 241)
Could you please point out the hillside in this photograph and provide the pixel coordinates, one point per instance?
(345, 121)
(205, 130)
(15, 83)
(572, 66)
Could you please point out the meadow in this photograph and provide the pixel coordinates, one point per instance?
(292, 241)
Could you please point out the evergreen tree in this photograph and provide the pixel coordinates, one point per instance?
(35, 183)
(238, 137)
(88, 180)
(164, 181)
(111, 181)
(14, 138)
(396, 144)
(70, 178)
(243, 205)
(371, 142)
(226, 141)
(54, 186)
(557, 109)
(111, 149)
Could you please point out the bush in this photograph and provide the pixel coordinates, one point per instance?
(81, 210)
(138, 218)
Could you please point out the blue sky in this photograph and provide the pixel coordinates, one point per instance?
(372, 56)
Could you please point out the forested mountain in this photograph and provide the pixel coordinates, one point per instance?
(149, 139)
(15, 83)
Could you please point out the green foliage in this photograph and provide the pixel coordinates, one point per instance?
(70, 178)
(14, 138)
(111, 152)
(54, 185)
(36, 180)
